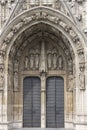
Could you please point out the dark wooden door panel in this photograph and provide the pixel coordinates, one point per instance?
(31, 102)
(55, 102)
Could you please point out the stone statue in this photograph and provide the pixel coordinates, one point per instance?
(55, 58)
(31, 61)
(17, 27)
(70, 66)
(37, 61)
(9, 36)
(1, 81)
(1, 59)
(26, 62)
(82, 81)
(81, 55)
(49, 61)
(15, 81)
(57, 4)
(16, 65)
(60, 62)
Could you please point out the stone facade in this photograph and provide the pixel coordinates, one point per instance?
(43, 38)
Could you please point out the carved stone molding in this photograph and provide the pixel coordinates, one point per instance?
(43, 16)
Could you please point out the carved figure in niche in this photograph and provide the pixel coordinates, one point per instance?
(1, 81)
(57, 4)
(15, 81)
(1, 58)
(67, 52)
(1, 69)
(16, 65)
(70, 66)
(31, 61)
(49, 59)
(82, 67)
(37, 61)
(26, 62)
(60, 62)
(82, 81)
(37, 2)
(71, 83)
(81, 55)
(55, 59)
(10, 79)
(77, 42)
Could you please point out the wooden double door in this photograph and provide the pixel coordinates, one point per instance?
(54, 102)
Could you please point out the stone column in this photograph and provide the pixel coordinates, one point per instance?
(43, 100)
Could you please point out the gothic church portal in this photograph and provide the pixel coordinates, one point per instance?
(43, 59)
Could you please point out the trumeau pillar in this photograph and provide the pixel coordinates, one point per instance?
(43, 100)
(43, 86)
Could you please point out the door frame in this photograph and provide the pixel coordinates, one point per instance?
(62, 74)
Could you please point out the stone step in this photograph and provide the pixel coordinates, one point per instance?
(42, 129)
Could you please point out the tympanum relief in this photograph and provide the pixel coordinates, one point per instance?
(32, 59)
(47, 53)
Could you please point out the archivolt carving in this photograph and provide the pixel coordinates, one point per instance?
(82, 67)
(52, 19)
(17, 27)
(9, 37)
(81, 56)
(43, 16)
(57, 4)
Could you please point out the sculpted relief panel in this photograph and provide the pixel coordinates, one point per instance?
(53, 58)
(32, 59)
(42, 56)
